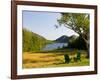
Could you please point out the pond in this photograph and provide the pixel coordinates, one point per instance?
(53, 46)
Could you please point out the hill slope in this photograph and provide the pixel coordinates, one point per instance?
(32, 41)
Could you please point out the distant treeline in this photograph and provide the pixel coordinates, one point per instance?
(32, 41)
(77, 43)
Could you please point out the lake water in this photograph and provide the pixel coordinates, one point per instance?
(55, 46)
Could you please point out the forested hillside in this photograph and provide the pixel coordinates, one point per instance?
(76, 42)
(32, 41)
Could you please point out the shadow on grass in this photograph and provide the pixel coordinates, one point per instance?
(59, 63)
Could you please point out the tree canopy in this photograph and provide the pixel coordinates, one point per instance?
(78, 22)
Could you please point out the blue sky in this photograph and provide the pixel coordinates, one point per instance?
(43, 23)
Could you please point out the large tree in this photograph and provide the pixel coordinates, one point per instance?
(78, 22)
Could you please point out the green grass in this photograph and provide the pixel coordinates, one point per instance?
(52, 59)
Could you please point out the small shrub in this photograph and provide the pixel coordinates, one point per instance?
(67, 59)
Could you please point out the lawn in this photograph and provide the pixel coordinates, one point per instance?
(52, 59)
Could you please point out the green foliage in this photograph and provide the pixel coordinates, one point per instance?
(32, 41)
(77, 43)
(79, 22)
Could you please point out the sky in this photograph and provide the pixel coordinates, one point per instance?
(43, 23)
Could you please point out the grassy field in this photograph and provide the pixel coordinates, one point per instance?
(52, 59)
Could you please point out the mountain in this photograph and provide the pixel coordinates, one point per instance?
(62, 39)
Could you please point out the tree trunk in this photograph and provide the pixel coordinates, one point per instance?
(88, 51)
(87, 46)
